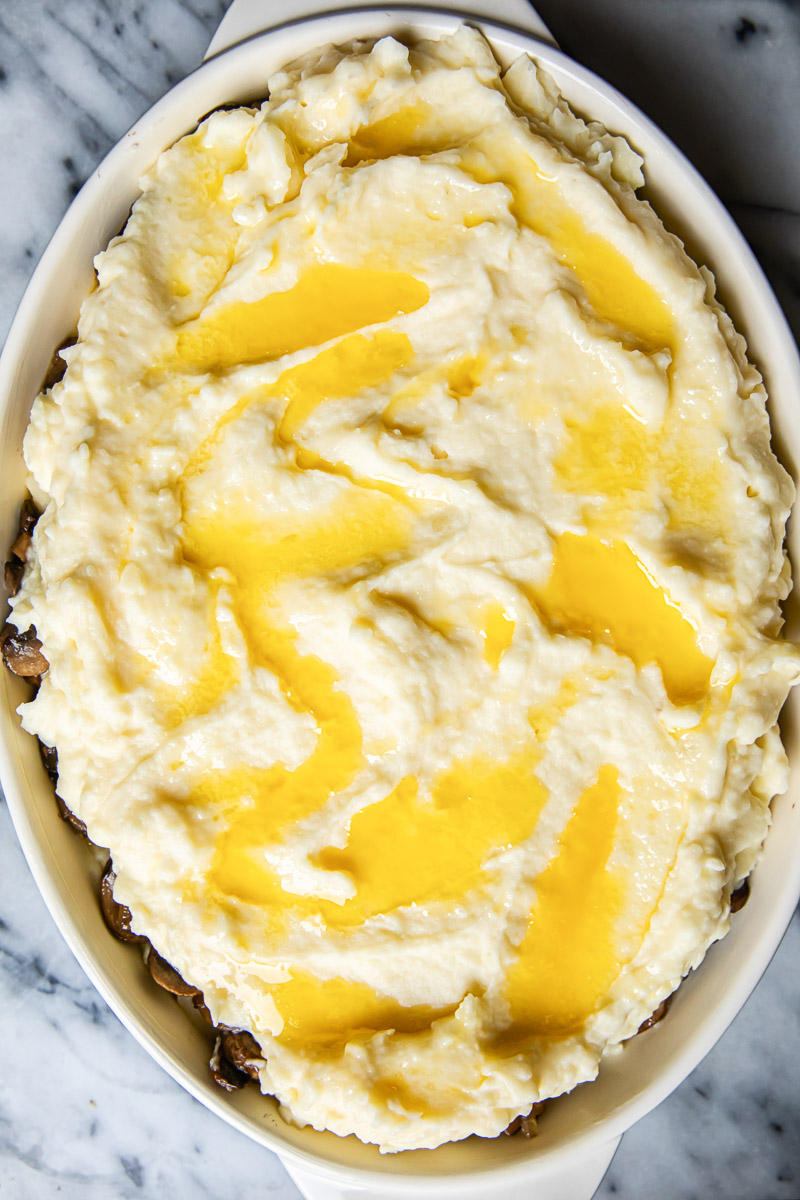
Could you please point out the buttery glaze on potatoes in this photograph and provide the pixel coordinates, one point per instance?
(409, 575)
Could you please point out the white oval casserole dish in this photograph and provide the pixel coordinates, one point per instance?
(650, 1067)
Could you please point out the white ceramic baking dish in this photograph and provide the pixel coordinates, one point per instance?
(576, 1141)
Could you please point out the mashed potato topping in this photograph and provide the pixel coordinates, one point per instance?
(409, 577)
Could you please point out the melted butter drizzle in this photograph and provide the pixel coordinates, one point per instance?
(404, 131)
(329, 1011)
(407, 849)
(364, 524)
(361, 526)
(218, 674)
(404, 850)
(349, 367)
(327, 302)
(603, 592)
(612, 287)
(371, 520)
(496, 631)
(412, 849)
(568, 958)
(616, 462)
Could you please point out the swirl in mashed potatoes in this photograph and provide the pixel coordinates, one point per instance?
(410, 576)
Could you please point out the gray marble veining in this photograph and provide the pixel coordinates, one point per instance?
(84, 1113)
(74, 76)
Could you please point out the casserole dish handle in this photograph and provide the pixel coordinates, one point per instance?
(245, 18)
(579, 1181)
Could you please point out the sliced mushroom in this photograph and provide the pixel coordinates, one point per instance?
(49, 756)
(226, 1075)
(12, 575)
(199, 1002)
(740, 896)
(167, 977)
(242, 1050)
(21, 545)
(656, 1016)
(15, 567)
(68, 815)
(50, 759)
(527, 1125)
(28, 516)
(22, 653)
(57, 368)
(117, 916)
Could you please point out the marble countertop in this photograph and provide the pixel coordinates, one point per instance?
(84, 1113)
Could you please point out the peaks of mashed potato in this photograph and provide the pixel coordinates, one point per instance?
(410, 577)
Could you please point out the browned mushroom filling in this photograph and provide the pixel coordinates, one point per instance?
(236, 1056)
(657, 1015)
